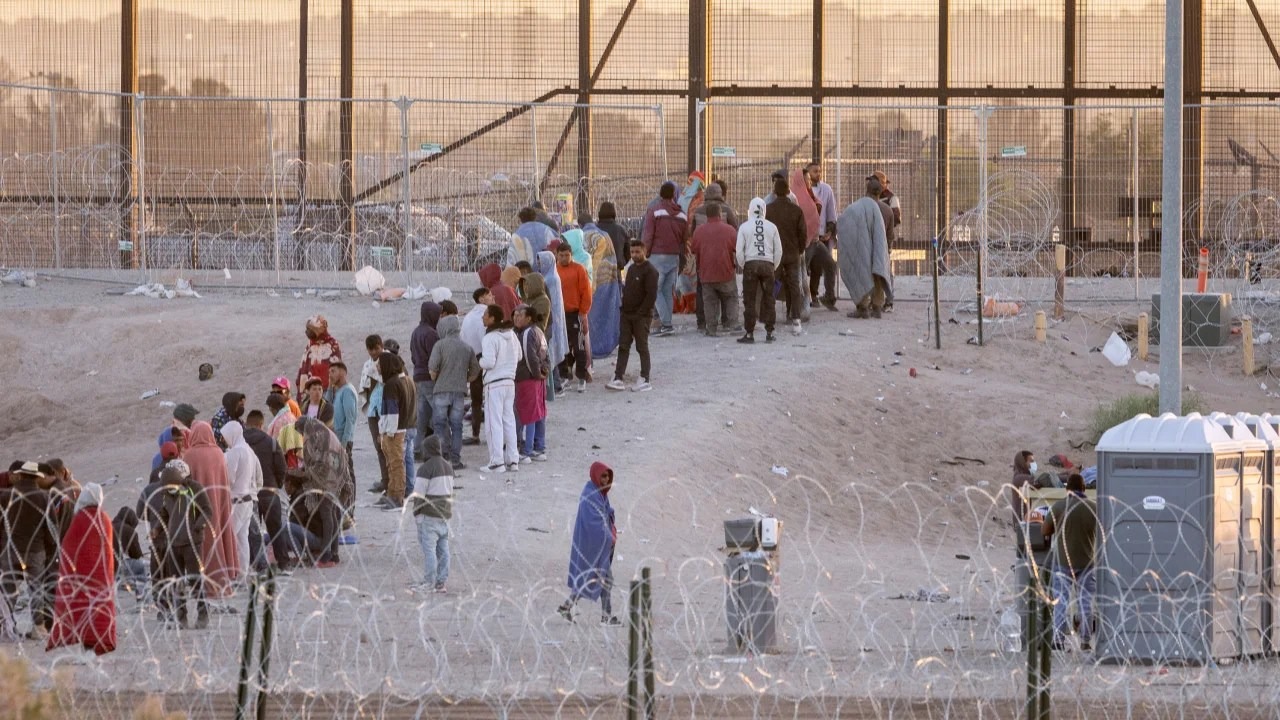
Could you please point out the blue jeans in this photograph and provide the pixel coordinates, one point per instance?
(423, 409)
(447, 412)
(1065, 581)
(433, 536)
(305, 542)
(410, 438)
(534, 436)
(668, 267)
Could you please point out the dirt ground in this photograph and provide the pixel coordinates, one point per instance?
(829, 431)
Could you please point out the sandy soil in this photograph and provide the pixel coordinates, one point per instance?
(871, 504)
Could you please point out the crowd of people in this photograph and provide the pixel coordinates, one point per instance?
(274, 487)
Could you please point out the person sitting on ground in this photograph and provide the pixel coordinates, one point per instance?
(1073, 525)
(132, 568)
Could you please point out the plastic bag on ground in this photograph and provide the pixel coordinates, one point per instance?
(1117, 351)
(1147, 380)
(369, 280)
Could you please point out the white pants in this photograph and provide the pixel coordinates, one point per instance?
(241, 516)
(500, 422)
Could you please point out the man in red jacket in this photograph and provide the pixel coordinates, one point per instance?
(575, 286)
(666, 227)
(714, 245)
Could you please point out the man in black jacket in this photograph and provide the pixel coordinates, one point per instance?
(789, 218)
(271, 458)
(31, 553)
(638, 297)
(607, 220)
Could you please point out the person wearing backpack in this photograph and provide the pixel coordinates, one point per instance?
(178, 514)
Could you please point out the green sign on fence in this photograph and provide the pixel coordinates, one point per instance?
(431, 148)
(1013, 151)
(724, 152)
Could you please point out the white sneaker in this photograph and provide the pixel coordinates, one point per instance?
(796, 328)
(641, 385)
(616, 384)
(582, 386)
(513, 467)
(497, 469)
(540, 457)
(526, 459)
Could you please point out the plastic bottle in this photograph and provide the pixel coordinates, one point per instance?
(1010, 631)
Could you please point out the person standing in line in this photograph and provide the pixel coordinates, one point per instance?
(892, 212)
(499, 360)
(270, 508)
(432, 508)
(324, 482)
(245, 473)
(531, 386)
(818, 255)
(314, 404)
(1073, 525)
(666, 230)
(595, 535)
(864, 252)
(218, 559)
(421, 342)
(371, 397)
(575, 286)
(454, 367)
(714, 195)
(788, 218)
(322, 350)
(179, 514)
(232, 410)
(759, 253)
(281, 385)
(84, 607)
(714, 246)
(618, 235)
(344, 400)
(30, 553)
(639, 294)
(472, 334)
(398, 404)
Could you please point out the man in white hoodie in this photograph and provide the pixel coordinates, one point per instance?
(245, 474)
(473, 335)
(759, 254)
(499, 357)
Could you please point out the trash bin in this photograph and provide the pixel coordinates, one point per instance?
(751, 590)
(1169, 512)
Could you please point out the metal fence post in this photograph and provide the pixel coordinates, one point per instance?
(275, 194)
(1171, 215)
(646, 623)
(1032, 642)
(697, 134)
(246, 649)
(662, 138)
(633, 652)
(839, 168)
(403, 104)
(983, 198)
(264, 654)
(1137, 251)
(57, 201)
(140, 165)
(533, 134)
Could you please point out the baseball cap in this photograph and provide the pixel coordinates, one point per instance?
(281, 382)
(879, 175)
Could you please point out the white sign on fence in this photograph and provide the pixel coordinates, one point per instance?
(724, 152)
(431, 148)
(1013, 151)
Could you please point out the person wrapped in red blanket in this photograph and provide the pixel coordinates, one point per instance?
(84, 608)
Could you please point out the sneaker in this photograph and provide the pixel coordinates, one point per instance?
(582, 386)
(540, 457)
(830, 305)
(796, 328)
(748, 339)
(616, 384)
(387, 503)
(1085, 645)
(458, 465)
(641, 385)
(610, 620)
(875, 313)
(420, 586)
(513, 467)
(859, 314)
(440, 589)
(495, 468)
(665, 330)
(526, 459)
(202, 621)
(888, 307)
(378, 489)
(769, 337)
(566, 611)
(471, 441)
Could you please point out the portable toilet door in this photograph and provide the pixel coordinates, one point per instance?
(1253, 539)
(1168, 565)
(1263, 430)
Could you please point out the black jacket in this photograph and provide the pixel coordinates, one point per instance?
(423, 340)
(790, 221)
(29, 517)
(641, 289)
(620, 238)
(270, 457)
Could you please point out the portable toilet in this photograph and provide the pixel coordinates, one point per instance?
(1168, 564)
(1253, 537)
(1265, 432)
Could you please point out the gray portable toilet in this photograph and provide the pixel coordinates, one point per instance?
(1253, 591)
(1168, 563)
(1264, 431)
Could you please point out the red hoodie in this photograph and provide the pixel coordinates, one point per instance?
(598, 469)
(503, 296)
